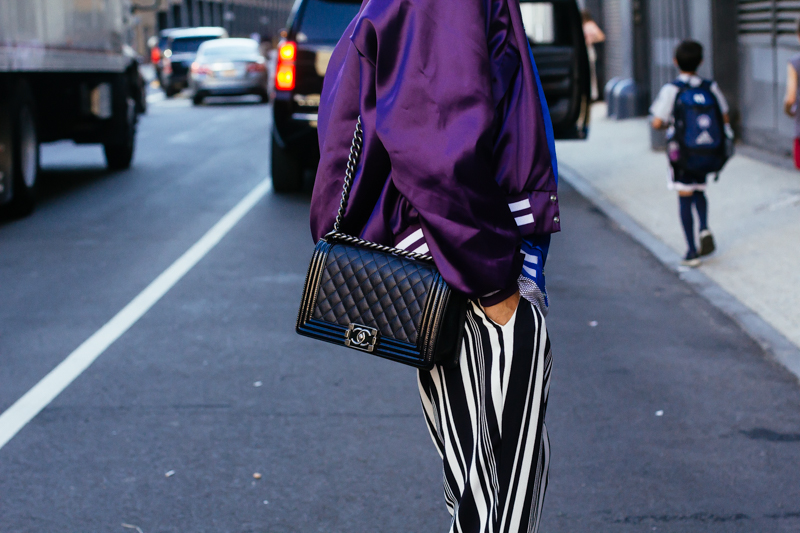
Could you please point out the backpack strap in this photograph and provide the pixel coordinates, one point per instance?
(682, 86)
(704, 84)
(707, 85)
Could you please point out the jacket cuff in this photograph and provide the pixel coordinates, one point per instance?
(499, 296)
(536, 213)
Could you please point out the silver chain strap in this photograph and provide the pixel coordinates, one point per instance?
(350, 173)
(349, 176)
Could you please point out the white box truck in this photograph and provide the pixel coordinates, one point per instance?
(66, 72)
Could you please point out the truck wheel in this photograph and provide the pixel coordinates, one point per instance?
(286, 170)
(22, 143)
(119, 154)
(140, 90)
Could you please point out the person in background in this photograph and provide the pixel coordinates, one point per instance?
(691, 186)
(593, 35)
(790, 102)
(265, 44)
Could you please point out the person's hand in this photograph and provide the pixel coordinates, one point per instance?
(789, 109)
(501, 313)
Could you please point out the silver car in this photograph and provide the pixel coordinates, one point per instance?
(226, 67)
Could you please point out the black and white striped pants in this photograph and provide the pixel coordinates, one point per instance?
(486, 418)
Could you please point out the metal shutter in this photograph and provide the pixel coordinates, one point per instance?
(768, 17)
(669, 25)
(616, 58)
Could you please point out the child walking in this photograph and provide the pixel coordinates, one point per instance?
(695, 113)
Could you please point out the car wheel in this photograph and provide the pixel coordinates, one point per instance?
(197, 99)
(286, 170)
(119, 152)
(22, 160)
(264, 97)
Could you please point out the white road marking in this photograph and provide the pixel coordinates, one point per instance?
(44, 392)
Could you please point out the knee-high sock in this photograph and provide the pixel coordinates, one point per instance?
(701, 204)
(688, 221)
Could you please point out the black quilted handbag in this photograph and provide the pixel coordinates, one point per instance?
(388, 302)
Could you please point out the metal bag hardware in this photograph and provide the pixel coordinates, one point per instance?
(381, 300)
(361, 337)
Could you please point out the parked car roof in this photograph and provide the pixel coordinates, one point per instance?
(233, 41)
(202, 31)
(169, 31)
(236, 47)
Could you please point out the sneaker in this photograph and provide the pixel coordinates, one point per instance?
(706, 243)
(691, 259)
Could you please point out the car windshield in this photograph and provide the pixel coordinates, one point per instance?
(324, 21)
(547, 23)
(189, 44)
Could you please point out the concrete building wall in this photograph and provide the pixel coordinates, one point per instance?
(240, 17)
(766, 41)
(747, 46)
(672, 21)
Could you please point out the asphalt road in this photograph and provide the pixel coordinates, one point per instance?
(663, 416)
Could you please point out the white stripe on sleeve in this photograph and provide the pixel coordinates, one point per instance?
(523, 220)
(422, 249)
(411, 239)
(519, 206)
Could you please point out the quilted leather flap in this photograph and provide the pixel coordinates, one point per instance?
(374, 289)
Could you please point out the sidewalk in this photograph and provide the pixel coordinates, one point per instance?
(754, 213)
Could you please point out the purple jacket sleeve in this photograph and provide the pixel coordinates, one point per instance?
(434, 116)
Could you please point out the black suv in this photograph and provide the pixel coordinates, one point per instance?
(554, 29)
(555, 33)
(314, 28)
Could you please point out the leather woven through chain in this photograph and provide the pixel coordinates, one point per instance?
(374, 289)
(349, 176)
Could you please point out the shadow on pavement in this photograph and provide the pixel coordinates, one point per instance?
(222, 101)
(57, 181)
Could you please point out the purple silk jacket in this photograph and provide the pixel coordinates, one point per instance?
(456, 161)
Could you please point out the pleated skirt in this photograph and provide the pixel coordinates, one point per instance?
(486, 419)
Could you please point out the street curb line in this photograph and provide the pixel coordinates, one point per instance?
(773, 342)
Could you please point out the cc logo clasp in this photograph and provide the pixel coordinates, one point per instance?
(361, 337)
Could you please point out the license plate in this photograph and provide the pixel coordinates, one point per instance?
(232, 73)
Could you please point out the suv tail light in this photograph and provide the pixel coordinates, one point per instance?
(285, 73)
(155, 55)
(288, 51)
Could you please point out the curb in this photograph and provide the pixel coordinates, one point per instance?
(781, 349)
